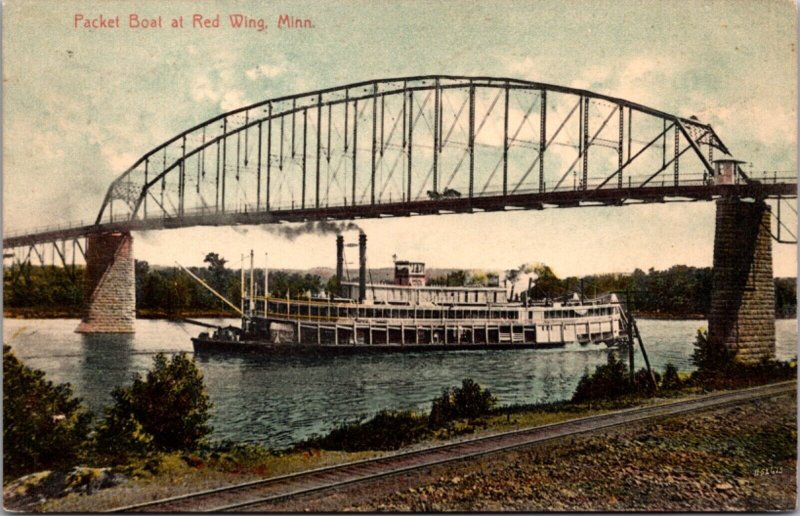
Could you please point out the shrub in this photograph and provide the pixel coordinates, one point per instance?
(643, 382)
(609, 381)
(166, 411)
(467, 402)
(387, 430)
(44, 426)
(671, 380)
(709, 358)
(717, 367)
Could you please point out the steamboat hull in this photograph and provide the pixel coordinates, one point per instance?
(267, 335)
(214, 346)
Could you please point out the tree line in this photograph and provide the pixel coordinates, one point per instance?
(680, 291)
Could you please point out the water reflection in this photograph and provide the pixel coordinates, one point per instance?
(105, 363)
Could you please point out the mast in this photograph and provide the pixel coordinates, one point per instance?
(251, 299)
(241, 285)
(266, 282)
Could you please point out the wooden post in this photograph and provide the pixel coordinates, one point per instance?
(644, 354)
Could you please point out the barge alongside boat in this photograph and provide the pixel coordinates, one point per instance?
(408, 315)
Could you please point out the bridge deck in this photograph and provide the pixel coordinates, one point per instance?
(563, 199)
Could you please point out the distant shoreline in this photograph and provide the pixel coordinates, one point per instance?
(75, 313)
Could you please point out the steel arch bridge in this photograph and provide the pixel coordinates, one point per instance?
(417, 145)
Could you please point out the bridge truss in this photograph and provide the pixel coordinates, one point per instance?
(411, 140)
(416, 145)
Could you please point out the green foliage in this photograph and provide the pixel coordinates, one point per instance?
(609, 381)
(388, 430)
(457, 278)
(671, 380)
(167, 410)
(295, 285)
(708, 358)
(466, 402)
(679, 291)
(718, 368)
(44, 426)
(27, 286)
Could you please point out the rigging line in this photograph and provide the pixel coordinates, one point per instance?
(585, 150)
(552, 138)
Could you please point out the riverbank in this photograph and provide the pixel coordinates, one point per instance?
(740, 458)
(174, 474)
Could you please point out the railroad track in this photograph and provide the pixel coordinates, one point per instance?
(260, 495)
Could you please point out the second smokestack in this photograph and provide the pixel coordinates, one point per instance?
(339, 263)
(362, 267)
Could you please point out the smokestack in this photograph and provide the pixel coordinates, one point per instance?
(362, 267)
(339, 262)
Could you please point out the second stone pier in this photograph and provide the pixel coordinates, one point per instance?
(742, 316)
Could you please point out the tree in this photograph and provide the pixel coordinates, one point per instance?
(216, 263)
(468, 401)
(44, 426)
(167, 410)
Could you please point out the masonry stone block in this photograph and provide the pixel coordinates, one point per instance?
(109, 284)
(742, 316)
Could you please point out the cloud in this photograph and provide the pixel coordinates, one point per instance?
(232, 99)
(117, 161)
(264, 70)
(202, 90)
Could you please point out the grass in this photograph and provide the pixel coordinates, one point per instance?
(180, 473)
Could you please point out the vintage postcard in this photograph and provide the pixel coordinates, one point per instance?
(399, 256)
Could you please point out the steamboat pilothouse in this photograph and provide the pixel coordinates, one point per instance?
(409, 315)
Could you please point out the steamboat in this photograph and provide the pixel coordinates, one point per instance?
(410, 315)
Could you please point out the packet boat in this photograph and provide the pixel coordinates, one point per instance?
(410, 315)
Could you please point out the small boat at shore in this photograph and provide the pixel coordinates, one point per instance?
(409, 315)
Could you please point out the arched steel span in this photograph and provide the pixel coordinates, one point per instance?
(411, 140)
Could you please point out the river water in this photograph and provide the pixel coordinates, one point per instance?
(278, 400)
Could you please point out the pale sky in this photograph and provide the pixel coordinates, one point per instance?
(81, 105)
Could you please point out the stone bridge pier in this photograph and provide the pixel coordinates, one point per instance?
(109, 284)
(742, 316)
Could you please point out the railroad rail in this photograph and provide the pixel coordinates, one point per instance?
(260, 495)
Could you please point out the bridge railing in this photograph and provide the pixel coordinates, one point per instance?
(47, 228)
(698, 179)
